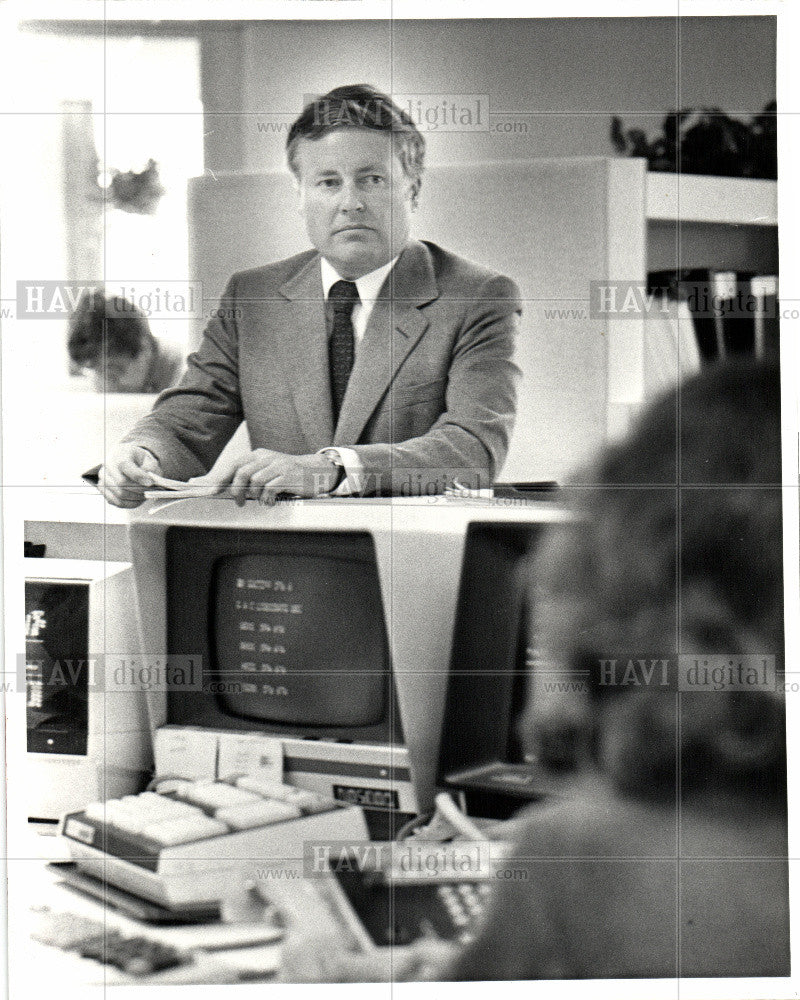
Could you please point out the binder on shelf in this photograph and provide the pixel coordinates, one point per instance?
(671, 353)
(692, 286)
(732, 313)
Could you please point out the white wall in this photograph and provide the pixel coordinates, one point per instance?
(567, 75)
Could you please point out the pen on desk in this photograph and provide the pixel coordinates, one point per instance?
(92, 476)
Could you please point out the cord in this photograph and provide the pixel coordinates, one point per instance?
(462, 823)
(413, 824)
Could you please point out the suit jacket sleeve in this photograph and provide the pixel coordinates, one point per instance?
(191, 423)
(469, 440)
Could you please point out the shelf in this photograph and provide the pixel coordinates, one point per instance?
(727, 200)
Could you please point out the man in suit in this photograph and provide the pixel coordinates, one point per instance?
(373, 364)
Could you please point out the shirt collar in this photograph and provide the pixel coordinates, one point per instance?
(368, 285)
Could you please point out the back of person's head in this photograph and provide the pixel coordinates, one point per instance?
(676, 551)
(360, 106)
(101, 328)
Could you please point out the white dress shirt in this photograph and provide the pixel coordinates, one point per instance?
(368, 287)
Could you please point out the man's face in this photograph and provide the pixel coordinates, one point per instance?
(355, 198)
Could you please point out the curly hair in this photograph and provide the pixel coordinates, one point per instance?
(676, 551)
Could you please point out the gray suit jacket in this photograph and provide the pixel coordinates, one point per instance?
(431, 396)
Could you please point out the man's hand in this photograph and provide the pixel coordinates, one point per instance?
(126, 475)
(264, 474)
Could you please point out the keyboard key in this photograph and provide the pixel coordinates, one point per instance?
(62, 930)
(312, 803)
(130, 812)
(96, 811)
(266, 789)
(217, 795)
(161, 805)
(172, 786)
(169, 832)
(260, 813)
(138, 956)
(123, 816)
(129, 821)
(128, 816)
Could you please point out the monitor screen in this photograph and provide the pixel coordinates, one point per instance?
(493, 653)
(88, 733)
(289, 625)
(57, 665)
(300, 638)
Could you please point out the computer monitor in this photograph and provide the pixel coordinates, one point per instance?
(86, 730)
(321, 628)
(290, 629)
(481, 754)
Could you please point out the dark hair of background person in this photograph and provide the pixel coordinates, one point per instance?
(110, 327)
(360, 106)
(678, 549)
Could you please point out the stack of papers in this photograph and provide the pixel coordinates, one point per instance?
(176, 489)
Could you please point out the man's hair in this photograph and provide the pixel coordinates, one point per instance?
(676, 549)
(359, 105)
(101, 327)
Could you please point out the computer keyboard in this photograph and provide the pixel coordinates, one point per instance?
(193, 842)
(136, 955)
(397, 913)
(116, 949)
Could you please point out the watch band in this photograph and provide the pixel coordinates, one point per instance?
(335, 458)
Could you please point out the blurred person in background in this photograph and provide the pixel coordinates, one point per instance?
(677, 864)
(672, 861)
(111, 338)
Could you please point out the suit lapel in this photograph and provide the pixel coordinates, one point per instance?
(304, 345)
(395, 325)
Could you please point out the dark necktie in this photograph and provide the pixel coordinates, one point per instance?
(343, 297)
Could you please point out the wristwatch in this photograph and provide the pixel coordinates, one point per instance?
(335, 458)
